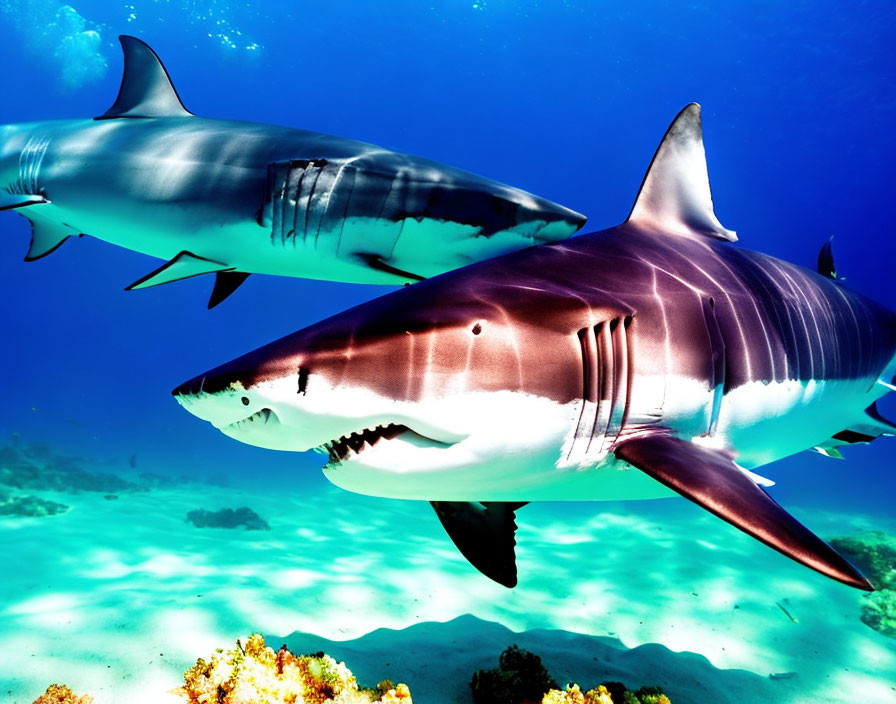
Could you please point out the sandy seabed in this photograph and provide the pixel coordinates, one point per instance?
(116, 598)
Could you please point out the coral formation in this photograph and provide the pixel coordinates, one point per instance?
(36, 466)
(874, 553)
(602, 695)
(521, 678)
(879, 611)
(60, 694)
(228, 518)
(253, 673)
(28, 506)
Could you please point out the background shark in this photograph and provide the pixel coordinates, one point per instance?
(647, 359)
(233, 198)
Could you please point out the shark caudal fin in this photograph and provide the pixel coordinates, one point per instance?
(146, 88)
(711, 479)
(675, 196)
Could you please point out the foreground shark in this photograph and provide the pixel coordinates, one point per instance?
(623, 364)
(233, 198)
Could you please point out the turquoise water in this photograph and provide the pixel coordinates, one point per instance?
(567, 100)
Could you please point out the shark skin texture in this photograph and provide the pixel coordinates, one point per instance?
(651, 359)
(234, 198)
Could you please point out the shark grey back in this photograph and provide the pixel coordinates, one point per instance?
(234, 198)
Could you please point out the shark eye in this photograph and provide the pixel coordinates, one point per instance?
(245, 400)
(477, 328)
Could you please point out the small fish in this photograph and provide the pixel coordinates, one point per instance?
(786, 612)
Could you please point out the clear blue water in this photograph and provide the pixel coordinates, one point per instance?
(564, 99)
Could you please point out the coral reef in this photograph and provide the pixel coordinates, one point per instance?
(36, 466)
(253, 673)
(879, 611)
(521, 678)
(60, 694)
(28, 506)
(874, 553)
(227, 518)
(602, 695)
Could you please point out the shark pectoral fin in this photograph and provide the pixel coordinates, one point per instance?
(711, 479)
(146, 89)
(11, 201)
(184, 266)
(375, 261)
(675, 195)
(47, 235)
(226, 282)
(485, 535)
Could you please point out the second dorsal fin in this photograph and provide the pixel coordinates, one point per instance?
(146, 89)
(675, 195)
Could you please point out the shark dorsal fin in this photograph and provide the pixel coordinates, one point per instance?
(675, 195)
(146, 89)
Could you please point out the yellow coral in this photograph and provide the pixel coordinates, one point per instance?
(253, 673)
(573, 695)
(60, 694)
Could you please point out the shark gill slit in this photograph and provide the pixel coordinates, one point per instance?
(607, 358)
(295, 198)
(717, 355)
(348, 201)
(319, 169)
(331, 175)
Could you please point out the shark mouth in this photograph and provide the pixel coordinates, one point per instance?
(349, 446)
(262, 417)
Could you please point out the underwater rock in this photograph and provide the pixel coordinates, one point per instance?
(60, 694)
(28, 506)
(227, 518)
(879, 611)
(521, 678)
(253, 672)
(874, 553)
(36, 466)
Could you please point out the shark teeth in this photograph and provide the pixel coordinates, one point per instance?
(263, 415)
(347, 445)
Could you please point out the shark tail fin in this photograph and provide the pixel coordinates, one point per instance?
(146, 88)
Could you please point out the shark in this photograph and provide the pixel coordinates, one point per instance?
(232, 198)
(650, 359)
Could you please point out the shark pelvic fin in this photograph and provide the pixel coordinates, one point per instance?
(47, 235)
(485, 533)
(146, 89)
(711, 479)
(11, 201)
(226, 282)
(184, 266)
(826, 260)
(675, 195)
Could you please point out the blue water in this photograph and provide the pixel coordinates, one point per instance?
(564, 99)
(567, 100)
